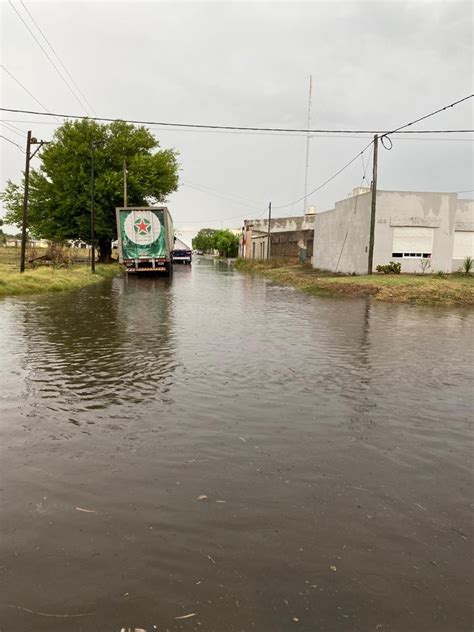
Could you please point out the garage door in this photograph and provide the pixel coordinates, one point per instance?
(463, 244)
(412, 241)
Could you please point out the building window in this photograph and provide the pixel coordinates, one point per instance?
(463, 245)
(412, 255)
(412, 242)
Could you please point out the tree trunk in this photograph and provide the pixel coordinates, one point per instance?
(105, 250)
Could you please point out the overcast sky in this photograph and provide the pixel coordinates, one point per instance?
(375, 65)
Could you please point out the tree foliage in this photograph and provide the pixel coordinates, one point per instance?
(60, 189)
(224, 241)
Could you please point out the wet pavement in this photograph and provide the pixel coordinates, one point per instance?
(330, 441)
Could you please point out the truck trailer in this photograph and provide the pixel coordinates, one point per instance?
(145, 239)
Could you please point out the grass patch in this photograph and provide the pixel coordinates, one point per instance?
(49, 279)
(403, 288)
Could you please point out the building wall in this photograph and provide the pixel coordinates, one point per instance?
(258, 228)
(464, 228)
(287, 245)
(341, 236)
(398, 209)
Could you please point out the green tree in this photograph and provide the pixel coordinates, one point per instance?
(226, 243)
(3, 238)
(205, 240)
(60, 188)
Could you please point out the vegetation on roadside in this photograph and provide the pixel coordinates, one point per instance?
(450, 289)
(210, 239)
(51, 278)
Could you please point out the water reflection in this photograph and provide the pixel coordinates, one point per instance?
(100, 349)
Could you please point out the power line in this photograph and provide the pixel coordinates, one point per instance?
(12, 142)
(57, 57)
(210, 190)
(24, 88)
(232, 127)
(323, 184)
(12, 129)
(407, 136)
(49, 58)
(422, 118)
(9, 123)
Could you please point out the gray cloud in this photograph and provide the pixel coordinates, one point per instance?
(373, 65)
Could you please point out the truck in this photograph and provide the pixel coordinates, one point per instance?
(145, 239)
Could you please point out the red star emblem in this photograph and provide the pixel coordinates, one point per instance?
(142, 227)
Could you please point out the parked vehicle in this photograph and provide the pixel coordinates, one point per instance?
(145, 239)
(182, 256)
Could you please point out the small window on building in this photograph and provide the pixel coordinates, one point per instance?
(463, 245)
(412, 255)
(412, 242)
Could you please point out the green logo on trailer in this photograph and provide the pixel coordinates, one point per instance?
(143, 234)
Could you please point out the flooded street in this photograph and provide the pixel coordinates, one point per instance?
(330, 441)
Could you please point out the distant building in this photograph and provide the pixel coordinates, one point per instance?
(291, 238)
(410, 227)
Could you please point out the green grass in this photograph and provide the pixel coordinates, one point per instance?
(50, 279)
(403, 288)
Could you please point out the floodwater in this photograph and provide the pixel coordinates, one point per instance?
(330, 441)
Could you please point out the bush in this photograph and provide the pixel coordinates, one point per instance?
(58, 255)
(390, 268)
(467, 265)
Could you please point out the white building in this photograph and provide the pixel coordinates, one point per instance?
(409, 227)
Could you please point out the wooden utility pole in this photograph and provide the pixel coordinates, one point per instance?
(30, 140)
(125, 194)
(373, 207)
(269, 229)
(25, 204)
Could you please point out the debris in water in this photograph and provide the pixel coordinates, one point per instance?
(48, 614)
(212, 559)
(333, 568)
(202, 497)
(221, 501)
(295, 619)
(242, 439)
(187, 616)
(86, 510)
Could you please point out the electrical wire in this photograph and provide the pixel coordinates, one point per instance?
(231, 127)
(11, 130)
(57, 57)
(293, 135)
(49, 58)
(221, 196)
(13, 143)
(422, 118)
(323, 184)
(18, 129)
(24, 88)
(207, 189)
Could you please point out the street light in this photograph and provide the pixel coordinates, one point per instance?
(30, 140)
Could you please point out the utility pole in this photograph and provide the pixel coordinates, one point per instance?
(125, 195)
(373, 207)
(92, 212)
(308, 138)
(269, 229)
(30, 140)
(25, 204)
